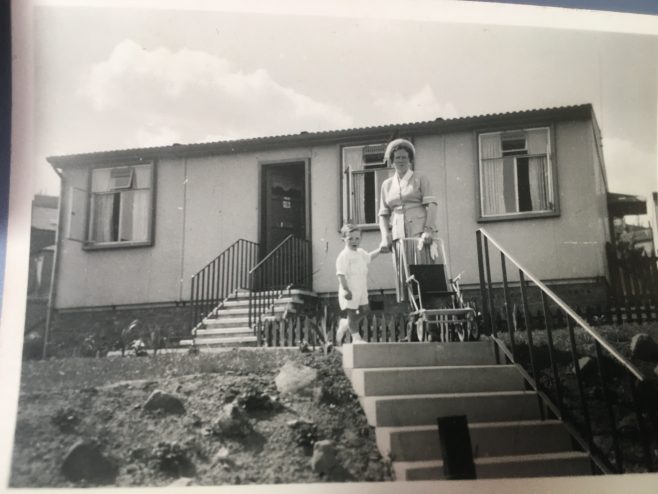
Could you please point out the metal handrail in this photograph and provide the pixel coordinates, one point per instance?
(579, 320)
(270, 254)
(213, 283)
(268, 281)
(545, 379)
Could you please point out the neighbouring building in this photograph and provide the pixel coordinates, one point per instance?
(42, 248)
(137, 224)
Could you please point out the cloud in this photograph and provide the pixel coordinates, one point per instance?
(187, 95)
(421, 105)
(630, 169)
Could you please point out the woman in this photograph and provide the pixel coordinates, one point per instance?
(406, 208)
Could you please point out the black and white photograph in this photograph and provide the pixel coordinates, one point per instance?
(331, 245)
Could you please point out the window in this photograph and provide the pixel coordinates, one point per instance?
(364, 171)
(516, 173)
(121, 205)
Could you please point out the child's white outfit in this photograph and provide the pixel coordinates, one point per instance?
(353, 264)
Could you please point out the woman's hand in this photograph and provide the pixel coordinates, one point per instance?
(348, 294)
(385, 244)
(427, 237)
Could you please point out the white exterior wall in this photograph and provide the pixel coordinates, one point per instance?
(203, 205)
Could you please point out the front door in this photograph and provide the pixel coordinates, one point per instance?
(284, 203)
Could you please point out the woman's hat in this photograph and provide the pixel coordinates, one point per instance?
(397, 144)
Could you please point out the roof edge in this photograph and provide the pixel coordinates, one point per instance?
(385, 132)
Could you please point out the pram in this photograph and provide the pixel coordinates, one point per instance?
(438, 310)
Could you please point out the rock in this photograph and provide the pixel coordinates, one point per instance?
(66, 419)
(305, 432)
(628, 424)
(231, 422)
(296, 378)
(644, 348)
(84, 461)
(182, 482)
(255, 400)
(159, 400)
(324, 457)
(221, 455)
(587, 365)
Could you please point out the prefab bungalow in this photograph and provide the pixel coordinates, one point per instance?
(137, 225)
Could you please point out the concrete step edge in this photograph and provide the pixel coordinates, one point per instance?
(491, 460)
(482, 394)
(471, 425)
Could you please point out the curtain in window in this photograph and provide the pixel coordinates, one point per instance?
(103, 218)
(135, 206)
(358, 197)
(537, 141)
(538, 186)
(491, 174)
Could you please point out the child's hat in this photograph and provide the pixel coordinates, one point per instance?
(397, 144)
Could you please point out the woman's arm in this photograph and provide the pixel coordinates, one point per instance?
(384, 230)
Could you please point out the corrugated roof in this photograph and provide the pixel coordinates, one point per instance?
(44, 218)
(320, 137)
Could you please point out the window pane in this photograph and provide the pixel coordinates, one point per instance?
(100, 180)
(104, 222)
(135, 213)
(122, 178)
(142, 179)
(358, 197)
(123, 216)
(493, 201)
(520, 181)
(353, 157)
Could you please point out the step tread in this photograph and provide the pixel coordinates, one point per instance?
(245, 301)
(437, 367)
(208, 341)
(490, 460)
(472, 425)
(219, 331)
(449, 395)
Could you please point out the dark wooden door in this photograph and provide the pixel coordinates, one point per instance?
(284, 203)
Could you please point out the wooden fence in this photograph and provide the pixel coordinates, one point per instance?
(633, 285)
(292, 331)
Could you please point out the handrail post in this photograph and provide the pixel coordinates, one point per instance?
(611, 414)
(579, 380)
(483, 295)
(528, 328)
(551, 352)
(510, 327)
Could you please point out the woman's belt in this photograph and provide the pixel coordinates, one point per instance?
(407, 207)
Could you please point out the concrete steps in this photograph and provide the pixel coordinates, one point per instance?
(404, 387)
(228, 325)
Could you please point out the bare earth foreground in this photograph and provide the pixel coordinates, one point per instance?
(102, 400)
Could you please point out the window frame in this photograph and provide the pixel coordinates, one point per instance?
(345, 199)
(552, 167)
(90, 244)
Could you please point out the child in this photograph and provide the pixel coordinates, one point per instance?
(352, 271)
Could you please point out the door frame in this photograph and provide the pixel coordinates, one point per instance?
(262, 164)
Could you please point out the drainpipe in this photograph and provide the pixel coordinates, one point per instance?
(182, 241)
(52, 292)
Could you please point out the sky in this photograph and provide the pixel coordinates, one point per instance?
(150, 77)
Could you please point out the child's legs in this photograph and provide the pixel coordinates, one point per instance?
(354, 317)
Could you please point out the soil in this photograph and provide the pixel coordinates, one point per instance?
(102, 399)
